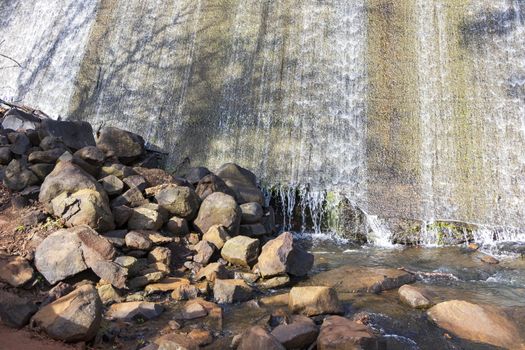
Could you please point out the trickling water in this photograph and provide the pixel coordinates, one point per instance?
(411, 109)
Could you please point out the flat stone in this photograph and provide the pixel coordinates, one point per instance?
(15, 270)
(136, 181)
(168, 284)
(311, 301)
(141, 281)
(477, 323)
(353, 279)
(49, 157)
(134, 310)
(275, 282)
(74, 134)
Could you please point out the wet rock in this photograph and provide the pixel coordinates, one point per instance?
(219, 209)
(217, 235)
(84, 207)
(231, 291)
(74, 134)
(160, 255)
(241, 250)
(138, 240)
(281, 255)
(242, 182)
(473, 246)
(254, 230)
(297, 335)
(258, 338)
(477, 323)
(112, 185)
(311, 301)
(49, 157)
(177, 226)
(15, 311)
(74, 317)
(196, 174)
(252, 213)
(108, 294)
(489, 260)
(135, 310)
(204, 252)
(168, 284)
(17, 176)
(341, 333)
(201, 337)
(275, 282)
(70, 178)
(145, 219)
(15, 270)
(174, 341)
(212, 272)
(124, 145)
(111, 272)
(210, 184)
(5, 155)
(353, 279)
(413, 297)
(179, 201)
(42, 170)
(92, 155)
(20, 143)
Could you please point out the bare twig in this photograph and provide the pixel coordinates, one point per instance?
(11, 59)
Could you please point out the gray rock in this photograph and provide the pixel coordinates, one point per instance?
(299, 334)
(180, 201)
(5, 155)
(210, 184)
(253, 230)
(145, 219)
(74, 134)
(51, 142)
(219, 209)
(136, 181)
(131, 198)
(20, 143)
(17, 176)
(121, 215)
(231, 291)
(194, 175)
(112, 185)
(15, 311)
(49, 157)
(16, 119)
(204, 252)
(74, 317)
(242, 182)
(138, 240)
(91, 154)
(257, 338)
(111, 272)
(124, 145)
(42, 170)
(252, 213)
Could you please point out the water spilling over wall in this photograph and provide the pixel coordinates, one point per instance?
(410, 109)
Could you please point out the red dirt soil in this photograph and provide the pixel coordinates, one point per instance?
(12, 339)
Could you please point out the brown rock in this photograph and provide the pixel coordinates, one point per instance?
(15, 311)
(138, 240)
(111, 272)
(242, 182)
(241, 250)
(177, 226)
(112, 185)
(489, 259)
(341, 333)
(211, 272)
(297, 335)
(217, 235)
(120, 143)
(414, 297)
(15, 270)
(180, 201)
(311, 301)
(210, 184)
(166, 285)
(201, 337)
(231, 291)
(258, 338)
(74, 317)
(477, 323)
(219, 209)
(160, 255)
(145, 219)
(135, 309)
(204, 252)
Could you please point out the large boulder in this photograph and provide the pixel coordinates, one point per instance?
(258, 338)
(16, 119)
(15, 270)
(242, 182)
(358, 279)
(180, 201)
(67, 177)
(341, 333)
(252, 213)
(85, 207)
(281, 255)
(74, 134)
(67, 252)
(194, 175)
(219, 209)
(124, 145)
(311, 301)
(15, 311)
(477, 323)
(74, 317)
(17, 176)
(241, 251)
(212, 183)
